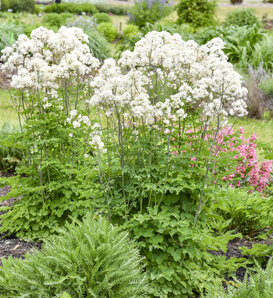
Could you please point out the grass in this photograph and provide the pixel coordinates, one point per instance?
(7, 113)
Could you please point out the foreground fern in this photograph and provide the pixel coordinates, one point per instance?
(89, 259)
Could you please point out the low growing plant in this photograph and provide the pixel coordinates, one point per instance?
(88, 259)
(108, 30)
(245, 17)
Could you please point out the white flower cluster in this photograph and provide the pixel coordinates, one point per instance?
(42, 60)
(77, 119)
(199, 76)
(96, 137)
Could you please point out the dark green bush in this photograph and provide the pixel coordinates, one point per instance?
(198, 13)
(102, 17)
(56, 20)
(72, 8)
(108, 30)
(89, 259)
(244, 17)
(19, 5)
(119, 10)
(141, 13)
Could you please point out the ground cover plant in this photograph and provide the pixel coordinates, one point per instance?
(90, 258)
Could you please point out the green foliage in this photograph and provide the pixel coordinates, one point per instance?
(198, 13)
(141, 13)
(18, 5)
(130, 31)
(178, 264)
(98, 45)
(89, 259)
(236, 209)
(263, 53)
(108, 30)
(257, 283)
(244, 17)
(267, 85)
(9, 33)
(102, 17)
(72, 8)
(56, 20)
(120, 10)
(240, 42)
(11, 153)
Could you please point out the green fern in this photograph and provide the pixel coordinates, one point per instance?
(89, 259)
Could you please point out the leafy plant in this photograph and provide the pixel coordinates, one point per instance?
(102, 17)
(198, 13)
(18, 5)
(178, 263)
(108, 30)
(130, 31)
(72, 8)
(245, 17)
(257, 283)
(236, 209)
(88, 259)
(120, 10)
(141, 13)
(56, 20)
(263, 53)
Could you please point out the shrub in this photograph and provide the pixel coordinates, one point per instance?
(198, 13)
(130, 31)
(102, 18)
(56, 20)
(19, 6)
(72, 8)
(108, 30)
(89, 259)
(141, 13)
(236, 1)
(114, 9)
(245, 17)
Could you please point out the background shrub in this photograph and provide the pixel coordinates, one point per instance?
(198, 13)
(119, 10)
(108, 30)
(141, 13)
(245, 17)
(130, 31)
(89, 259)
(72, 8)
(19, 5)
(102, 17)
(56, 20)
